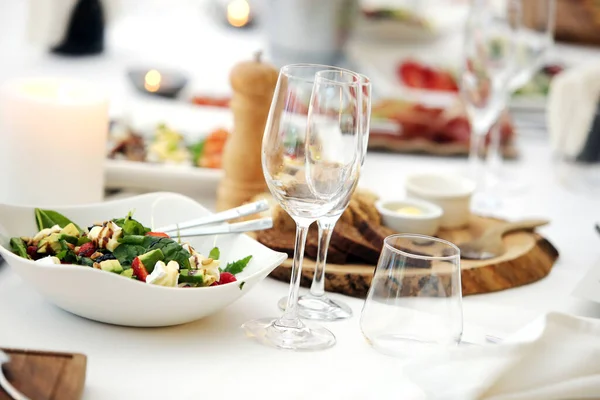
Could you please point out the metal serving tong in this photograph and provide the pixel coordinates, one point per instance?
(208, 225)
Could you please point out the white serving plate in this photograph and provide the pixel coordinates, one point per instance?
(194, 122)
(110, 298)
(444, 17)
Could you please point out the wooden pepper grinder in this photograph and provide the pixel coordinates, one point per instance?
(253, 83)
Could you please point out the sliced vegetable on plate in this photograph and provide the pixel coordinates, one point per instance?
(418, 75)
(209, 152)
(168, 146)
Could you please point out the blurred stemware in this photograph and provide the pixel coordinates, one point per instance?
(535, 39)
(315, 304)
(311, 161)
(488, 65)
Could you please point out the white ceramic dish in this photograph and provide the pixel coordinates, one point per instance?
(192, 121)
(450, 192)
(123, 174)
(110, 298)
(442, 18)
(426, 223)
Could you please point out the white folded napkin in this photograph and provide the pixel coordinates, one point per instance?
(563, 362)
(572, 106)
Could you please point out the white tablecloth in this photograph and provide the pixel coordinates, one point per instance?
(212, 358)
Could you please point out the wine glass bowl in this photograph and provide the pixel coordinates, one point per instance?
(315, 304)
(535, 39)
(312, 152)
(488, 65)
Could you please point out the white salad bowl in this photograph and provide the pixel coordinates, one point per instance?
(111, 298)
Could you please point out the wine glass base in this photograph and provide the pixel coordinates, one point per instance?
(502, 183)
(270, 332)
(512, 184)
(486, 204)
(319, 308)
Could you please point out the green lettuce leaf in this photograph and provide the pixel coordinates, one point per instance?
(18, 247)
(130, 226)
(215, 253)
(237, 266)
(48, 218)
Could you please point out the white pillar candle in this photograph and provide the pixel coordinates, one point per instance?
(52, 142)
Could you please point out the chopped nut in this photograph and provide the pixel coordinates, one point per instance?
(96, 265)
(207, 261)
(70, 246)
(76, 249)
(96, 255)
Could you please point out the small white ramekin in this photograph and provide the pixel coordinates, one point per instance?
(426, 223)
(451, 192)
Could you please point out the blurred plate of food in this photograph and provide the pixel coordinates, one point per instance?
(409, 20)
(432, 79)
(408, 127)
(419, 125)
(168, 146)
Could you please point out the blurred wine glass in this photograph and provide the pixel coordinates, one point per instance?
(535, 39)
(488, 66)
(312, 154)
(316, 304)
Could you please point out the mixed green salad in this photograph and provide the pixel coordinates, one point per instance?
(125, 247)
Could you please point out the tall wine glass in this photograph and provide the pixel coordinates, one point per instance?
(311, 162)
(315, 304)
(488, 65)
(534, 42)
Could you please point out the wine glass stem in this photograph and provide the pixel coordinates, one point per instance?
(494, 158)
(326, 225)
(290, 315)
(476, 158)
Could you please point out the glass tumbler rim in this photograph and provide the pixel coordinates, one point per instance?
(404, 253)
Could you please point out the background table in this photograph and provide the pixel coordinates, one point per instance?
(212, 358)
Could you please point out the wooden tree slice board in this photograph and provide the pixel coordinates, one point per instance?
(44, 375)
(528, 258)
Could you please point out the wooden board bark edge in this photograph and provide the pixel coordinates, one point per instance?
(506, 274)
